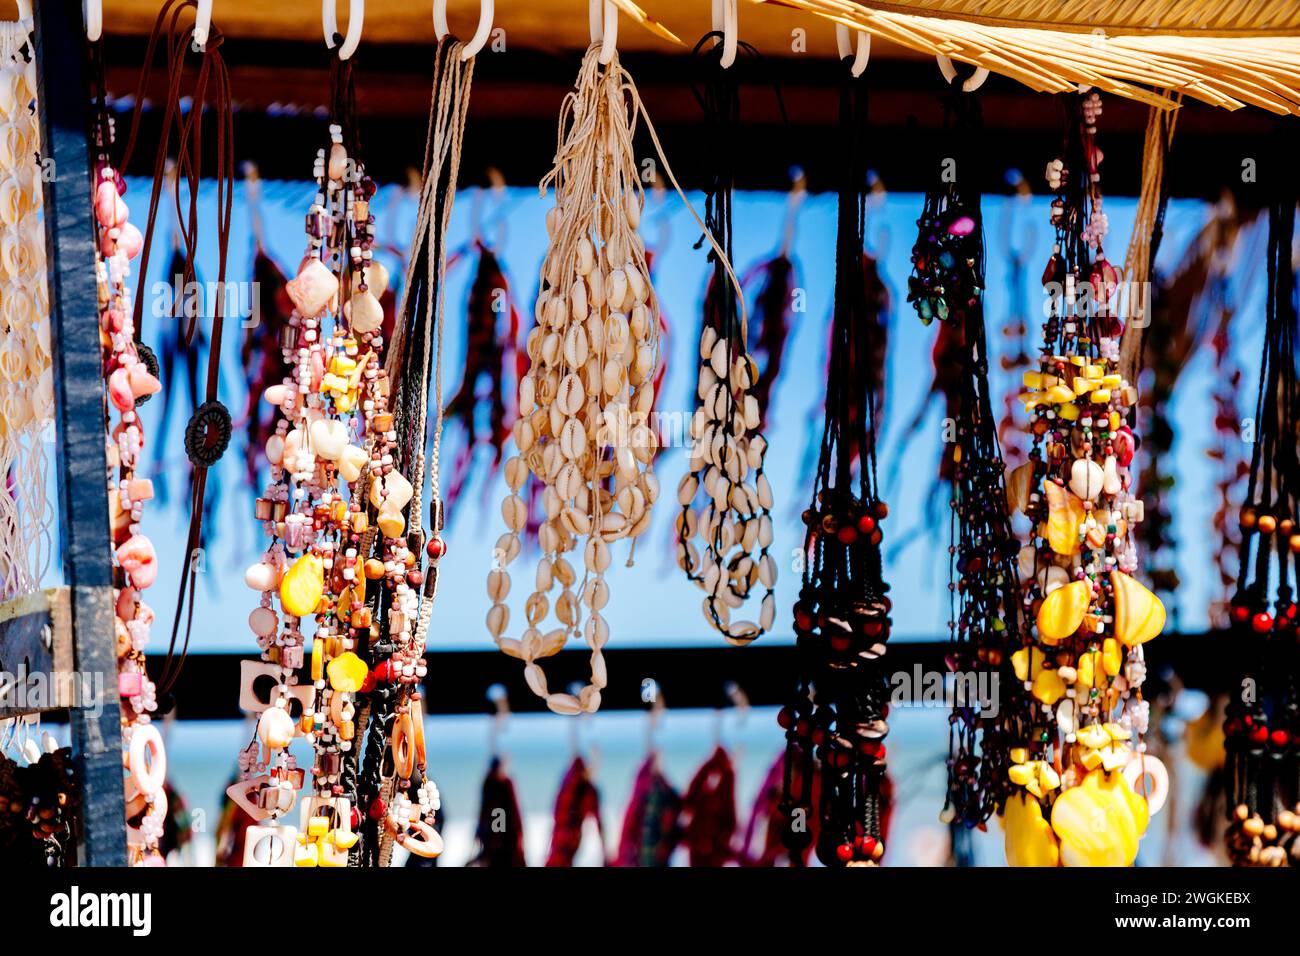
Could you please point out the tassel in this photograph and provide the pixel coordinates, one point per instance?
(500, 833)
(650, 831)
(577, 802)
(709, 812)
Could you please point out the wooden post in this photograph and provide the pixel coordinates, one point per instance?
(64, 102)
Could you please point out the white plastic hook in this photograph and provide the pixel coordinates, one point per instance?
(202, 23)
(486, 10)
(330, 25)
(726, 20)
(863, 53)
(971, 83)
(94, 13)
(602, 20)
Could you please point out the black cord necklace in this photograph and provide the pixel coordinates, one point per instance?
(839, 713)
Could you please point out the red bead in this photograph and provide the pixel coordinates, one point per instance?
(1259, 734)
(868, 844)
(845, 852)
(847, 534)
(414, 578)
(377, 809)
(1240, 613)
(866, 524)
(1279, 738)
(785, 718)
(436, 547)
(1262, 622)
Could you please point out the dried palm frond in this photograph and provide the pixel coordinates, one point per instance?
(1225, 71)
(1188, 17)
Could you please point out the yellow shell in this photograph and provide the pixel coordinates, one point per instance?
(1064, 515)
(1020, 483)
(1048, 687)
(1112, 656)
(1139, 615)
(347, 672)
(1063, 611)
(1027, 662)
(302, 586)
(1099, 822)
(1203, 738)
(1029, 840)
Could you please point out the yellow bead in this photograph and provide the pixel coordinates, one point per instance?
(1029, 838)
(347, 672)
(1048, 687)
(302, 586)
(1063, 611)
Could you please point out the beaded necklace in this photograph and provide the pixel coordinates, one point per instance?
(1081, 666)
(838, 716)
(401, 803)
(948, 284)
(317, 512)
(1263, 721)
(26, 378)
(725, 496)
(129, 382)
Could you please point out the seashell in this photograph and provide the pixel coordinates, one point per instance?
(596, 291)
(364, 313)
(515, 512)
(637, 285)
(329, 438)
(1139, 614)
(599, 673)
(138, 559)
(375, 276)
(351, 461)
(262, 576)
(615, 286)
(516, 470)
(535, 679)
(1086, 478)
(1029, 838)
(596, 555)
(632, 209)
(596, 631)
(1065, 514)
(130, 240)
(263, 622)
(1020, 485)
(313, 288)
(552, 642)
(1111, 483)
(507, 548)
(552, 221)
(498, 585)
(586, 256)
(1062, 611)
(302, 586)
(565, 704)
(571, 395)
(498, 616)
(1051, 578)
(1100, 821)
(275, 728)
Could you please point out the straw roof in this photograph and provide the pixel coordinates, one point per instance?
(1229, 71)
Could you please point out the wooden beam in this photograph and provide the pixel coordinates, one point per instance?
(36, 654)
(79, 423)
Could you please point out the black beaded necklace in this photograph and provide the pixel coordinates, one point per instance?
(1263, 721)
(838, 716)
(948, 284)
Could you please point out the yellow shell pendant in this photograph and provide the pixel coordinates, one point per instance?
(1064, 515)
(1099, 822)
(1063, 610)
(302, 586)
(1029, 839)
(1139, 615)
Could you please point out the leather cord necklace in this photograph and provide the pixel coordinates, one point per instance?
(208, 432)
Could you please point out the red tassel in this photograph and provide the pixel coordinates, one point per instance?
(709, 812)
(577, 802)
